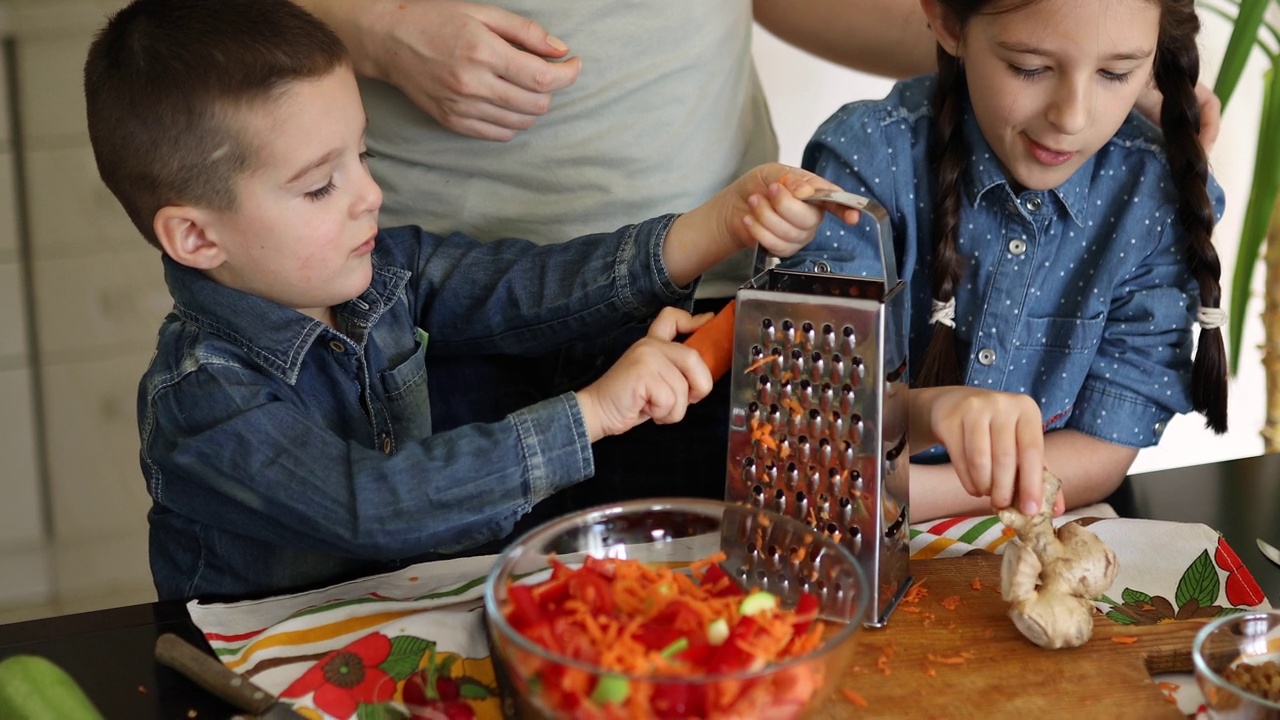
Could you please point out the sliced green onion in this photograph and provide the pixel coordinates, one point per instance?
(611, 689)
(718, 631)
(758, 601)
(675, 648)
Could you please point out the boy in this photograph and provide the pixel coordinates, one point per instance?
(284, 420)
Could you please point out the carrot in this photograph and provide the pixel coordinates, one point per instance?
(853, 697)
(1124, 639)
(915, 592)
(976, 584)
(951, 602)
(714, 341)
(761, 363)
(1168, 686)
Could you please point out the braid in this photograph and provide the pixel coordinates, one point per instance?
(947, 152)
(1177, 69)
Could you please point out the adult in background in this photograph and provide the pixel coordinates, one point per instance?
(550, 119)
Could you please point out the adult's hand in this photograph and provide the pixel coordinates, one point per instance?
(478, 70)
(1151, 99)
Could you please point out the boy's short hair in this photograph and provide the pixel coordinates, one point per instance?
(164, 81)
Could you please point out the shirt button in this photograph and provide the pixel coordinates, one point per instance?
(1159, 428)
(987, 356)
(386, 444)
(1032, 203)
(1017, 247)
(336, 346)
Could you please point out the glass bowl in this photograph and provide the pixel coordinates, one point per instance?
(762, 551)
(1219, 651)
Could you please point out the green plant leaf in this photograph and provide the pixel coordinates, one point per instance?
(1134, 597)
(1244, 35)
(1199, 581)
(1262, 200)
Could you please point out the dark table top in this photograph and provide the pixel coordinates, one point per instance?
(111, 652)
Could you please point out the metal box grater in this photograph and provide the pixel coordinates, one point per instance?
(818, 411)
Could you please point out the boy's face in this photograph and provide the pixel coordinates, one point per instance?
(1051, 82)
(307, 213)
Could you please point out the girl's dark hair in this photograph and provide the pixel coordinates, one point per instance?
(1176, 70)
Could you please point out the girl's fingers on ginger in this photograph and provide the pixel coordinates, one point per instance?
(1030, 464)
(1004, 459)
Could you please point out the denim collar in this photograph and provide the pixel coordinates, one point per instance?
(985, 172)
(274, 336)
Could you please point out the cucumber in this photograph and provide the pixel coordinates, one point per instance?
(34, 688)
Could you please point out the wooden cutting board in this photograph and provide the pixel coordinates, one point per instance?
(1002, 674)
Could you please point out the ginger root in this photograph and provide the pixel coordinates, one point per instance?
(1050, 579)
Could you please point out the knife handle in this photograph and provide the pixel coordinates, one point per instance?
(209, 673)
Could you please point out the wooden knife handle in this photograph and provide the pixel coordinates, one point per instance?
(209, 673)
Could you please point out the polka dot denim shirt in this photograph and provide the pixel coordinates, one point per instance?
(1078, 296)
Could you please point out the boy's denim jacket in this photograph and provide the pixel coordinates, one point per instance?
(1079, 296)
(281, 453)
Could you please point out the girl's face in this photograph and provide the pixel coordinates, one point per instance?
(1052, 82)
(303, 227)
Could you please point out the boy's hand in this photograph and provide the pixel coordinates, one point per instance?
(768, 203)
(764, 207)
(654, 379)
(995, 440)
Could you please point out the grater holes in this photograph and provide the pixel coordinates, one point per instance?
(797, 366)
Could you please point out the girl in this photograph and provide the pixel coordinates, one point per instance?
(1054, 243)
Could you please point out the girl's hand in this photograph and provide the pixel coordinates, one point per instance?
(995, 440)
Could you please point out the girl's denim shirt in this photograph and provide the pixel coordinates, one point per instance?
(1079, 296)
(281, 453)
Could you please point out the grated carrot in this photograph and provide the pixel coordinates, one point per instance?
(1124, 639)
(761, 363)
(952, 602)
(915, 592)
(976, 584)
(853, 697)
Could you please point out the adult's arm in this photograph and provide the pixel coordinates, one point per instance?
(1090, 469)
(885, 37)
(477, 69)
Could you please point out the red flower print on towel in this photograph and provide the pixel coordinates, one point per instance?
(1242, 589)
(345, 678)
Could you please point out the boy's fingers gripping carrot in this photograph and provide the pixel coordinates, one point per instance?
(714, 341)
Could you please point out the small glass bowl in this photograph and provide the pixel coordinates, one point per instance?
(1252, 637)
(764, 550)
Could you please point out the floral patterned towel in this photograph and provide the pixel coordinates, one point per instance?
(415, 638)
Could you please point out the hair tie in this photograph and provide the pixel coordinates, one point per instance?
(944, 312)
(1211, 318)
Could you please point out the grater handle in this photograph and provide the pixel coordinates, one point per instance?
(765, 260)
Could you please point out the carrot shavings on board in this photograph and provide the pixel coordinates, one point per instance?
(853, 697)
(1168, 686)
(958, 659)
(915, 592)
(1124, 639)
(976, 584)
(952, 602)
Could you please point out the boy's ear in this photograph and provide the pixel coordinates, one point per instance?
(183, 232)
(944, 26)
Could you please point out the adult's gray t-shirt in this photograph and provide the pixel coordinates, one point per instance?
(666, 112)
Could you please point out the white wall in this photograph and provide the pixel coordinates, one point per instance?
(803, 91)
